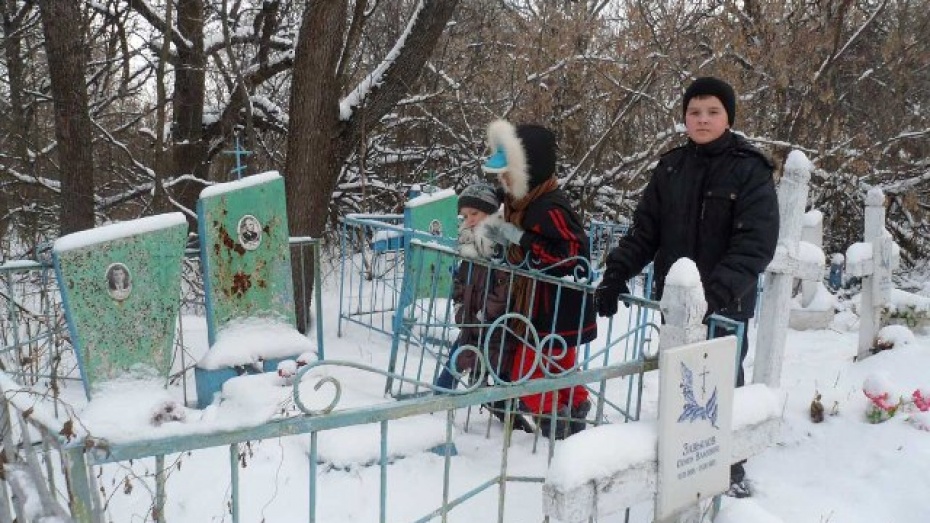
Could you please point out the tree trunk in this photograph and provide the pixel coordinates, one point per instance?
(319, 142)
(19, 123)
(313, 136)
(190, 151)
(62, 24)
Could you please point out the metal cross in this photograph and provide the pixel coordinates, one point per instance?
(239, 152)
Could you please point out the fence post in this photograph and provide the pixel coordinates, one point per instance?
(81, 493)
(780, 274)
(683, 306)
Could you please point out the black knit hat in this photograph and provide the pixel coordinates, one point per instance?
(710, 86)
(481, 196)
(539, 144)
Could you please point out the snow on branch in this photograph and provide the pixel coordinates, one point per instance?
(151, 15)
(852, 39)
(358, 95)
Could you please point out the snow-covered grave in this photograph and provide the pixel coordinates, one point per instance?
(248, 285)
(873, 260)
(119, 287)
(790, 262)
(683, 459)
(814, 307)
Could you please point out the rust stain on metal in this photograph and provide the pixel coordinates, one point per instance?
(242, 282)
(230, 243)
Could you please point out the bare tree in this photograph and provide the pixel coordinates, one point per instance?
(63, 26)
(324, 130)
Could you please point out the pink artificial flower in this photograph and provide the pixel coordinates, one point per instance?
(920, 401)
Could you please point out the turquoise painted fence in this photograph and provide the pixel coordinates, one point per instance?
(371, 270)
(83, 456)
(32, 328)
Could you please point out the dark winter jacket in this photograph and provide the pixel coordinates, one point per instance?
(480, 295)
(553, 233)
(712, 203)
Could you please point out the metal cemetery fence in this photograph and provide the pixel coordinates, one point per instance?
(602, 236)
(372, 248)
(32, 331)
(65, 466)
(425, 327)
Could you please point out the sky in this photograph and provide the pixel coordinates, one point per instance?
(843, 470)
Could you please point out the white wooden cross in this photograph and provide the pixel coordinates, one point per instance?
(790, 262)
(873, 260)
(811, 315)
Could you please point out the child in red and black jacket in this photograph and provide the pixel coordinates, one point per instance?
(542, 228)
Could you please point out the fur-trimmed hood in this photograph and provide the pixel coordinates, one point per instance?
(502, 136)
(529, 156)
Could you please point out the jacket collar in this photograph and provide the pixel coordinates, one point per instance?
(716, 147)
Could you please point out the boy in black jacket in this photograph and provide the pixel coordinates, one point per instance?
(711, 200)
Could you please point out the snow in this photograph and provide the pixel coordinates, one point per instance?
(115, 231)
(600, 451)
(797, 161)
(17, 265)
(895, 335)
(843, 469)
(875, 197)
(810, 253)
(358, 95)
(905, 300)
(248, 181)
(384, 235)
(858, 252)
(254, 339)
(812, 218)
(425, 198)
(684, 273)
(823, 300)
(755, 403)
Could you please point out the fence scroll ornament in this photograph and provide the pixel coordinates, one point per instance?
(483, 369)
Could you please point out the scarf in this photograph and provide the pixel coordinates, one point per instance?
(522, 286)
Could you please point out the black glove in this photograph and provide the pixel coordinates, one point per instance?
(714, 303)
(608, 293)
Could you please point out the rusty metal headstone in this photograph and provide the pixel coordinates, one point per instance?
(245, 252)
(245, 255)
(120, 286)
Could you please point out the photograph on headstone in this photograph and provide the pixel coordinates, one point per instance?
(435, 228)
(119, 281)
(250, 232)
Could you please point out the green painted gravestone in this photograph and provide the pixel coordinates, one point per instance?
(246, 263)
(434, 217)
(120, 287)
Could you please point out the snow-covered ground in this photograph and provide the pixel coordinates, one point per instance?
(842, 470)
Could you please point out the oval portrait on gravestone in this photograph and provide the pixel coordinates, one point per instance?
(250, 232)
(119, 281)
(435, 228)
